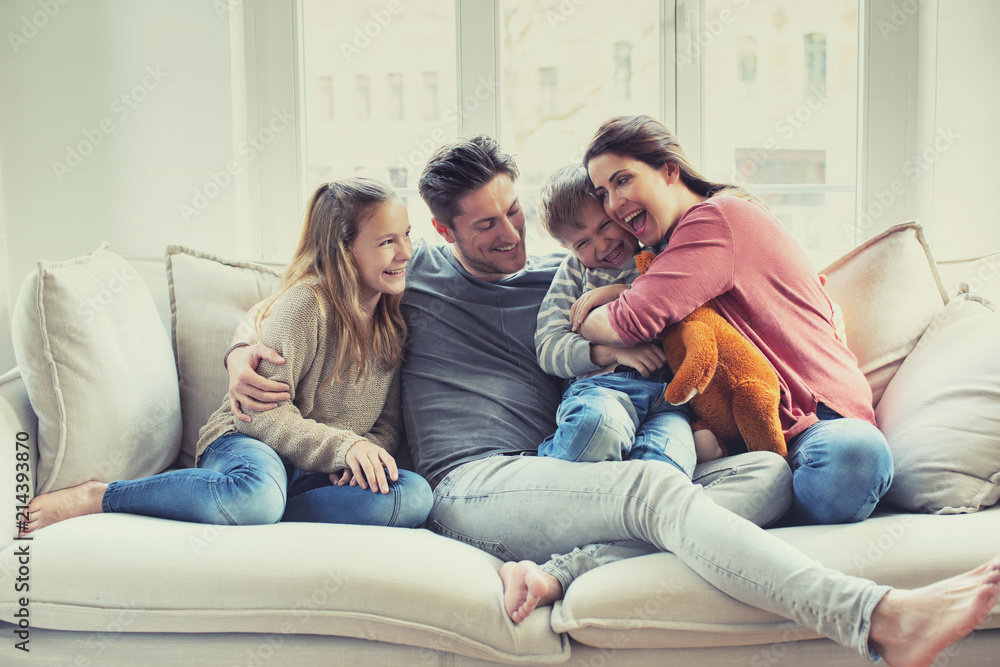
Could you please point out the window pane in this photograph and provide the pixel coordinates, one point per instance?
(393, 77)
(780, 105)
(567, 67)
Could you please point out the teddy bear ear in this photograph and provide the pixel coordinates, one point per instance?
(643, 260)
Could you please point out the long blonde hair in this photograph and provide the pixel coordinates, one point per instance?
(334, 215)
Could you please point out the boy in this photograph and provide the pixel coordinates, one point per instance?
(615, 409)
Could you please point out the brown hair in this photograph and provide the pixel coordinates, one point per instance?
(458, 169)
(562, 198)
(647, 140)
(334, 216)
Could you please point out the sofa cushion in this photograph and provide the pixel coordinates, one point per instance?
(208, 298)
(393, 585)
(941, 414)
(98, 369)
(889, 290)
(656, 601)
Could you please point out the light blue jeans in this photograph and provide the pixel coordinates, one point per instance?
(620, 417)
(529, 507)
(242, 481)
(841, 467)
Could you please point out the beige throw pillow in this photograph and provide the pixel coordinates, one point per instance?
(208, 298)
(98, 370)
(889, 290)
(941, 414)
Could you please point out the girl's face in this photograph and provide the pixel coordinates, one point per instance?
(643, 200)
(381, 250)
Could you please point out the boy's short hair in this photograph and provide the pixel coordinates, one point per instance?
(562, 198)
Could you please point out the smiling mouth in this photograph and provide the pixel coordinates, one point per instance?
(506, 250)
(396, 272)
(616, 256)
(636, 221)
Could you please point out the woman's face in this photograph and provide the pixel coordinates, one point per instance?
(638, 197)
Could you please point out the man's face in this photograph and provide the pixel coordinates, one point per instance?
(488, 234)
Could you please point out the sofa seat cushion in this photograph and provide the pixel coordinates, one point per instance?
(655, 601)
(388, 584)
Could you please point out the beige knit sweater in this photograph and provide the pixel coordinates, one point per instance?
(315, 429)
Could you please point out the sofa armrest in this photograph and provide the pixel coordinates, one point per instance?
(19, 433)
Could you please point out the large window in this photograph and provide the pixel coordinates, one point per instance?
(762, 93)
(396, 62)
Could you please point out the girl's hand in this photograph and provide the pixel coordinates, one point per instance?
(368, 463)
(591, 299)
(343, 478)
(647, 358)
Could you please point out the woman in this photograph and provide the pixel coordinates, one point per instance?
(731, 251)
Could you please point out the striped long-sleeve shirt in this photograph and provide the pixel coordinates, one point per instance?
(561, 351)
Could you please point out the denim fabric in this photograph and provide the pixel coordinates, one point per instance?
(618, 417)
(840, 469)
(528, 507)
(242, 481)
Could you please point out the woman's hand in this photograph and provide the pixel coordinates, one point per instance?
(591, 299)
(368, 465)
(647, 358)
(247, 388)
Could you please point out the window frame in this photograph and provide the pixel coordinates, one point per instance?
(895, 79)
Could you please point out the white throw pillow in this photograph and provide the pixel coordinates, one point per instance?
(208, 298)
(941, 414)
(98, 370)
(889, 289)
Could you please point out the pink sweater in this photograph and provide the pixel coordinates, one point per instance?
(735, 254)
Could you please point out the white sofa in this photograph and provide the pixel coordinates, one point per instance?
(126, 590)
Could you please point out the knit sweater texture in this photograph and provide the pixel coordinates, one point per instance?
(314, 430)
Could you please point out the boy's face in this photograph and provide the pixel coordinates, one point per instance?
(600, 243)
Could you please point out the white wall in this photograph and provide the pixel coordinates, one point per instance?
(59, 82)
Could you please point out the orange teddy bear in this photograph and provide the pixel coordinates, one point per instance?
(732, 388)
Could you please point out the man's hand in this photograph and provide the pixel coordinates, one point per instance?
(647, 358)
(249, 390)
(591, 299)
(368, 466)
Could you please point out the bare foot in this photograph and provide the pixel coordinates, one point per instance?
(910, 627)
(526, 586)
(50, 508)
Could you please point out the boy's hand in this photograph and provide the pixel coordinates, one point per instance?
(591, 299)
(647, 358)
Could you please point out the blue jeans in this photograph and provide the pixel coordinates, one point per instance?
(840, 469)
(529, 507)
(619, 417)
(242, 481)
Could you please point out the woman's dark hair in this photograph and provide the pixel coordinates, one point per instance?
(647, 140)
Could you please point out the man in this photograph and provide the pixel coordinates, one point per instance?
(476, 406)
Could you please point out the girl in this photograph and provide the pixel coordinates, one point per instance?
(731, 251)
(326, 454)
